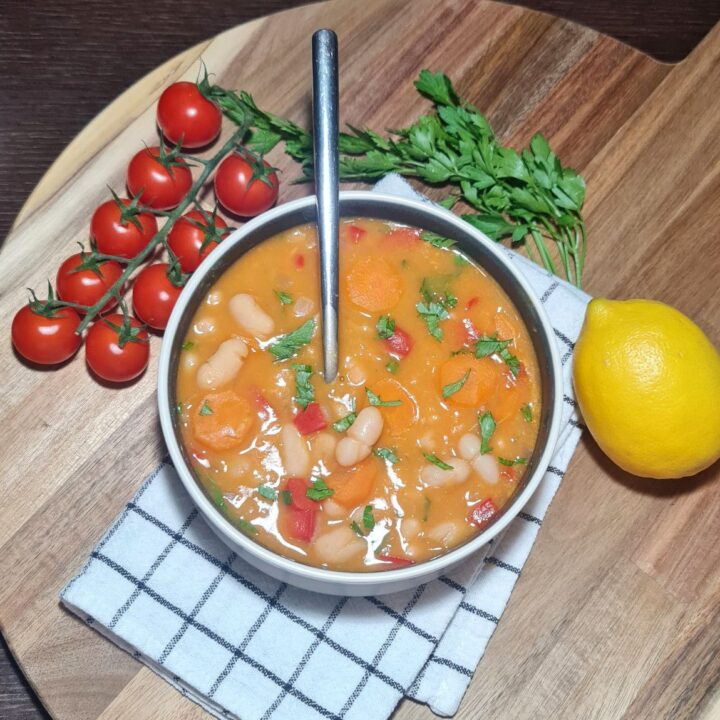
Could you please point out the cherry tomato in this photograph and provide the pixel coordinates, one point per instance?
(117, 235)
(399, 344)
(154, 295)
(482, 514)
(185, 116)
(46, 339)
(245, 186)
(186, 239)
(158, 186)
(107, 359)
(88, 285)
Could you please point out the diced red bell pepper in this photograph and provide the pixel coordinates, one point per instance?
(482, 514)
(403, 237)
(352, 233)
(301, 524)
(399, 344)
(310, 420)
(472, 302)
(395, 560)
(298, 487)
(264, 408)
(299, 261)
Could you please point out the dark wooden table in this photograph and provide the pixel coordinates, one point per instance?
(54, 83)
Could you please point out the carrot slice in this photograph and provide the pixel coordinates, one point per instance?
(400, 417)
(223, 420)
(483, 377)
(506, 326)
(512, 393)
(354, 487)
(373, 284)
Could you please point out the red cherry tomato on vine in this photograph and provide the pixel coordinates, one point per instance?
(88, 285)
(109, 357)
(160, 186)
(46, 339)
(186, 239)
(155, 295)
(117, 235)
(185, 116)
(239, 192)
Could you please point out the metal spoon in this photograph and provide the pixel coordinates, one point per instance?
(325, 134)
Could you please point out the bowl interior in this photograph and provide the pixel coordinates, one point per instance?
(427, 217)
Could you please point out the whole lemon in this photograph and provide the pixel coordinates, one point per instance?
(647, 381)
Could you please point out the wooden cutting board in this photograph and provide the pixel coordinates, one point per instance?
(617, 612)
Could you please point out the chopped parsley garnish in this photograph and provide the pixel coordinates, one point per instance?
(460, 261)
(526, 412)
(205, 409)
(385, 327)
(357, 529)
(344, 423)
(393, 366)
(319, 490)
(426, 507)
(373, 399)
(436, 240)
(386, 454)
(267, 492)
(491, 345)
(435, 308)
(510, 463)
(179, 408)
(368, 518)
(286, 496)
(288, 345)
(215, 493)
(304, 391)
(487, 428)
(435, 460)
(283, 297)
(245, 526)
(452, 388)
(188, 345)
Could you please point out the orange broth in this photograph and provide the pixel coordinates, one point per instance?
(271, 467)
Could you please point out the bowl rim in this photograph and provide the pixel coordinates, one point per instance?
(325, 576)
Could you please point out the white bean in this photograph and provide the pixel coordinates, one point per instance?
(368, 426)
(433, 476)
(350, 452)
(469, 446)
(223, 365)
(338, 545)
(486, 467)
(295, 455)
(250, 316)
(334, 510)
(303, 306)
(447, 533)
(410, 528)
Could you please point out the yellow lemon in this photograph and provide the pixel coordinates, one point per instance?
(647, 381)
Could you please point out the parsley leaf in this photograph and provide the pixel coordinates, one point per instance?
(205, 409)
(487, 428)
(452, 388)
(526, 412)
(385, 327)
(288, 345)
(356, 529)
(435, 460)
(393, 366)
(283, 297)
(373, 399)
(304, 391)
(286, 496)
(319, 490)
(216, 494)
(510, 463)
(386, 454)
(188, 345)
(432, 314)
(179, 408)
(344, 423)
(426, 507)
(368, 518)
(436, 240)
(267, 492)
(247, 527)
(491, 345)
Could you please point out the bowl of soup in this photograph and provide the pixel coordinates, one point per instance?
(436, 432)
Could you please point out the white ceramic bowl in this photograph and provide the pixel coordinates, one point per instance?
(384, 207)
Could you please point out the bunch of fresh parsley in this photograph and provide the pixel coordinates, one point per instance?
(525, 197)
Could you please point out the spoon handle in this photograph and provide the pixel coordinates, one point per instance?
(325, 133)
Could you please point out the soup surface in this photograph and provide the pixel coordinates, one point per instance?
(417, 444)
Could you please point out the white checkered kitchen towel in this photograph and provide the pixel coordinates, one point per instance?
(163, 587)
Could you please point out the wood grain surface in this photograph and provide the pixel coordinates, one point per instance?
(616, 613)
